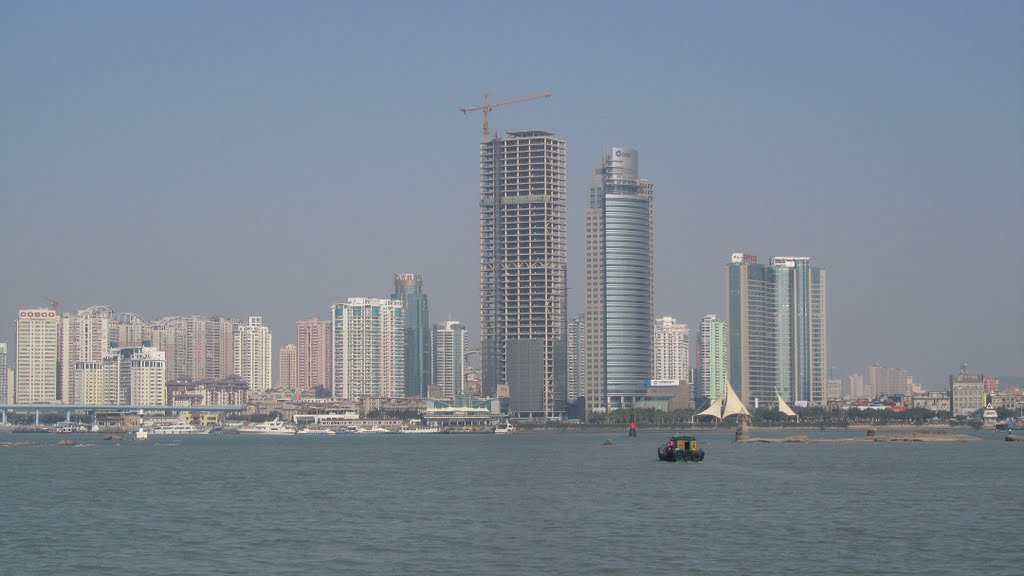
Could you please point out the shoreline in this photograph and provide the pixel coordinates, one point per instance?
(604, 428)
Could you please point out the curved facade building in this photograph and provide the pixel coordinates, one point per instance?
(619, 283)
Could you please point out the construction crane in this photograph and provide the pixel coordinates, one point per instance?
(487, 107)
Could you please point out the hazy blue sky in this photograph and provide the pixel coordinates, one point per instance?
(270, 158)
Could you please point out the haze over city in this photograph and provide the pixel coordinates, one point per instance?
(257, 158)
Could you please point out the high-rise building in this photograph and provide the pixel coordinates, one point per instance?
(84, 336)
(714, 358)
(409, 291)
(671, 350)
(576, 358)
(220, 347)
(369, 348)
(313, 354)
(183, 339)
(619, 293)
(147, 376)
(254, 354)
(37, 333)
(4, 382)
(448, 343)
(855, 386)
(135, 375)
(523, 272)
(777, 330)
(130, 330)
(885, 381)
(804, 288)
(287, 361)
(91, 380)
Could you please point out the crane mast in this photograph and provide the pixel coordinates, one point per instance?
(487, 107)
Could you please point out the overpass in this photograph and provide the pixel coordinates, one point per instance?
(93, 408)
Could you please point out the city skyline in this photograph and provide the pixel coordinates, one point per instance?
(126, 171)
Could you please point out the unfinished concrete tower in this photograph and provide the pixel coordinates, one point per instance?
(522, 272)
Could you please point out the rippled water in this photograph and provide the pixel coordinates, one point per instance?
(515, 504)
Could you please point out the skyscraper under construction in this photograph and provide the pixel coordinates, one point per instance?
(523, 272)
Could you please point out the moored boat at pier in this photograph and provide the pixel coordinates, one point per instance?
(275, 427)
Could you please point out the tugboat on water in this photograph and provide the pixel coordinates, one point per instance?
(680, 449)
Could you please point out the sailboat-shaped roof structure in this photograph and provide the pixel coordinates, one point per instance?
(726, 405)
(783, 407)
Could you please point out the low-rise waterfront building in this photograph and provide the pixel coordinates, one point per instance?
(934, 401)
(230, 391)
(966, 392)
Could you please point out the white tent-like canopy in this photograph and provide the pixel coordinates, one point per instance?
(725, 406)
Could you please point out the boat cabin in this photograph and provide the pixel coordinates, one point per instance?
(683, 443)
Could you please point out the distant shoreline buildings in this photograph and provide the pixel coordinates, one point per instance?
(535, 362)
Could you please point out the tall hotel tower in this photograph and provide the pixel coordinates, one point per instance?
(777, 330)
(409, 290)
(522, 272)
(619, 293)
(369, 348)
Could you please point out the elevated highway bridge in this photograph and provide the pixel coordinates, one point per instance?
(69, 409)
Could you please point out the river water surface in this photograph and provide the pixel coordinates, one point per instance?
(524, 503)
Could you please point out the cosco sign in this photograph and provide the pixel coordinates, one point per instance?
(621, 154)
(36, 314)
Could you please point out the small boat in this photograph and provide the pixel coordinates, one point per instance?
(504, 428)
(680, 449)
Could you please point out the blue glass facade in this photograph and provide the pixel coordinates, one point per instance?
(619, 307)
(777, 330)
(628, 292)
(409, 290)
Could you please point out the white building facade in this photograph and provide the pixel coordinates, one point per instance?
(671, 350)
(38, 353)
(369, 348)
(448, 362)
(254, 354)
(4, 382)
(147, 374)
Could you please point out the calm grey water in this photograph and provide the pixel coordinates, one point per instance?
(515, 504)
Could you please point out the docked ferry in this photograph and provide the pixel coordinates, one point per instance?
(177, 428)
(275, 427)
